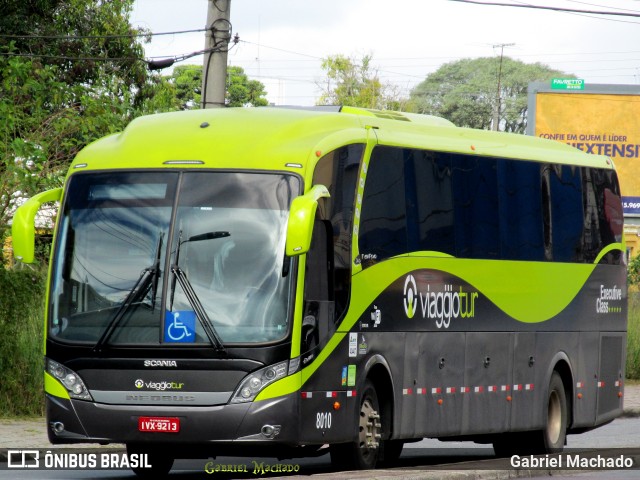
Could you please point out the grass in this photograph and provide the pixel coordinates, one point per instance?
(633, 339)
(21, 324)
(22, 391)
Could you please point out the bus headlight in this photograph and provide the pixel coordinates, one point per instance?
(70, 379)
(256, 381)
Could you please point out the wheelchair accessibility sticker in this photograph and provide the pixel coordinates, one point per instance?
(180, 326)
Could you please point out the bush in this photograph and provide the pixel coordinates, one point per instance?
(633, 338)
(21, 324)
(633, 272)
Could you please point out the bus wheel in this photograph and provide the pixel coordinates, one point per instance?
(556, 422)
(556, 419)
(159, 459)
(362, 454)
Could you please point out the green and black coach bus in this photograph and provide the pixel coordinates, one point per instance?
(287, 282)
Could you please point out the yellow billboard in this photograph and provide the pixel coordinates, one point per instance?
(603, 121)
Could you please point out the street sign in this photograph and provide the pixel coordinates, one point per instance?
(567, 84)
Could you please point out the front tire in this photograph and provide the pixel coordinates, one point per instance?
(362, 454)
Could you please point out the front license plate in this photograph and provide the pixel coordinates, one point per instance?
(159, 424)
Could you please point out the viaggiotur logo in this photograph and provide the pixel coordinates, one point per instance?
(440, 305)
(410, 295)
(159, 386)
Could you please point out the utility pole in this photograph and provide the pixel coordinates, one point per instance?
(214, 71)
(496, 113)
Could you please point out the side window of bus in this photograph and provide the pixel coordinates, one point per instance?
(432, 195)
(487, 208)
(383, 221)
(328, 272)
(566, 213)
(603, 222)
(521, 216)
(475, 193)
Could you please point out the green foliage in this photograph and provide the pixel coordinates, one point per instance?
(55, 95)
(465, 92)
(355, 83)
(21, 361)
(633, 338)
(633, 327)
(182, 90)
(242, 92)
(633, 271)
(75, 36)
(187, 83)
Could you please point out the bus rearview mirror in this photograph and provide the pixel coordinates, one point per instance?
(301, 217)
(23, 229)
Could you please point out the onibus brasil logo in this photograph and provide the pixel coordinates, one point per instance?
(440, 305)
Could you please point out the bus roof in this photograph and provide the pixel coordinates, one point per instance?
(293, 139)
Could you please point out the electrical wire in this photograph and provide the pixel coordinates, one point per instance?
(67, 57)
(80, 37)
(542, 7)
(578, 14)
(281, 50)
(154, 63)
(602, 6)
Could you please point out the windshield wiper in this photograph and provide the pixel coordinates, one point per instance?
(192, 296)
(147, 280)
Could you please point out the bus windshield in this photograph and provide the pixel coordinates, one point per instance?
(173, 258)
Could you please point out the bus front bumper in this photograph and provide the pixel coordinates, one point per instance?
(267, 422)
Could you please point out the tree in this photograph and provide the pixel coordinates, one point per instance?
(183, 89)
(89, 42)
(70, 72)
(355, 83)
(242, 92)
(465, 92)
(633, 273)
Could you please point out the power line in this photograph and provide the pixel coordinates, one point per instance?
(67, 57)
(602, 6)
(281, 50)
(154, 63)
(110, 36)
(577, 14)
(555, 9)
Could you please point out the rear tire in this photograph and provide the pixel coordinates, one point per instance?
(362, 454)
(159, 459)
(554, 434)
(551, 438)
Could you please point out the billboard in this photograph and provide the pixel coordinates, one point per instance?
(599, 119)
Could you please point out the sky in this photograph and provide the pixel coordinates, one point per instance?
(282, 42)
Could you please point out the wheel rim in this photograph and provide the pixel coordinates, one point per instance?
(554, 418)
(370, 429)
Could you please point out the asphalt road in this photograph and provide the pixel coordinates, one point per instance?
(428, 459)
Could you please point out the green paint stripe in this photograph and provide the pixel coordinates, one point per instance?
(529, 292)
(610, 248)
